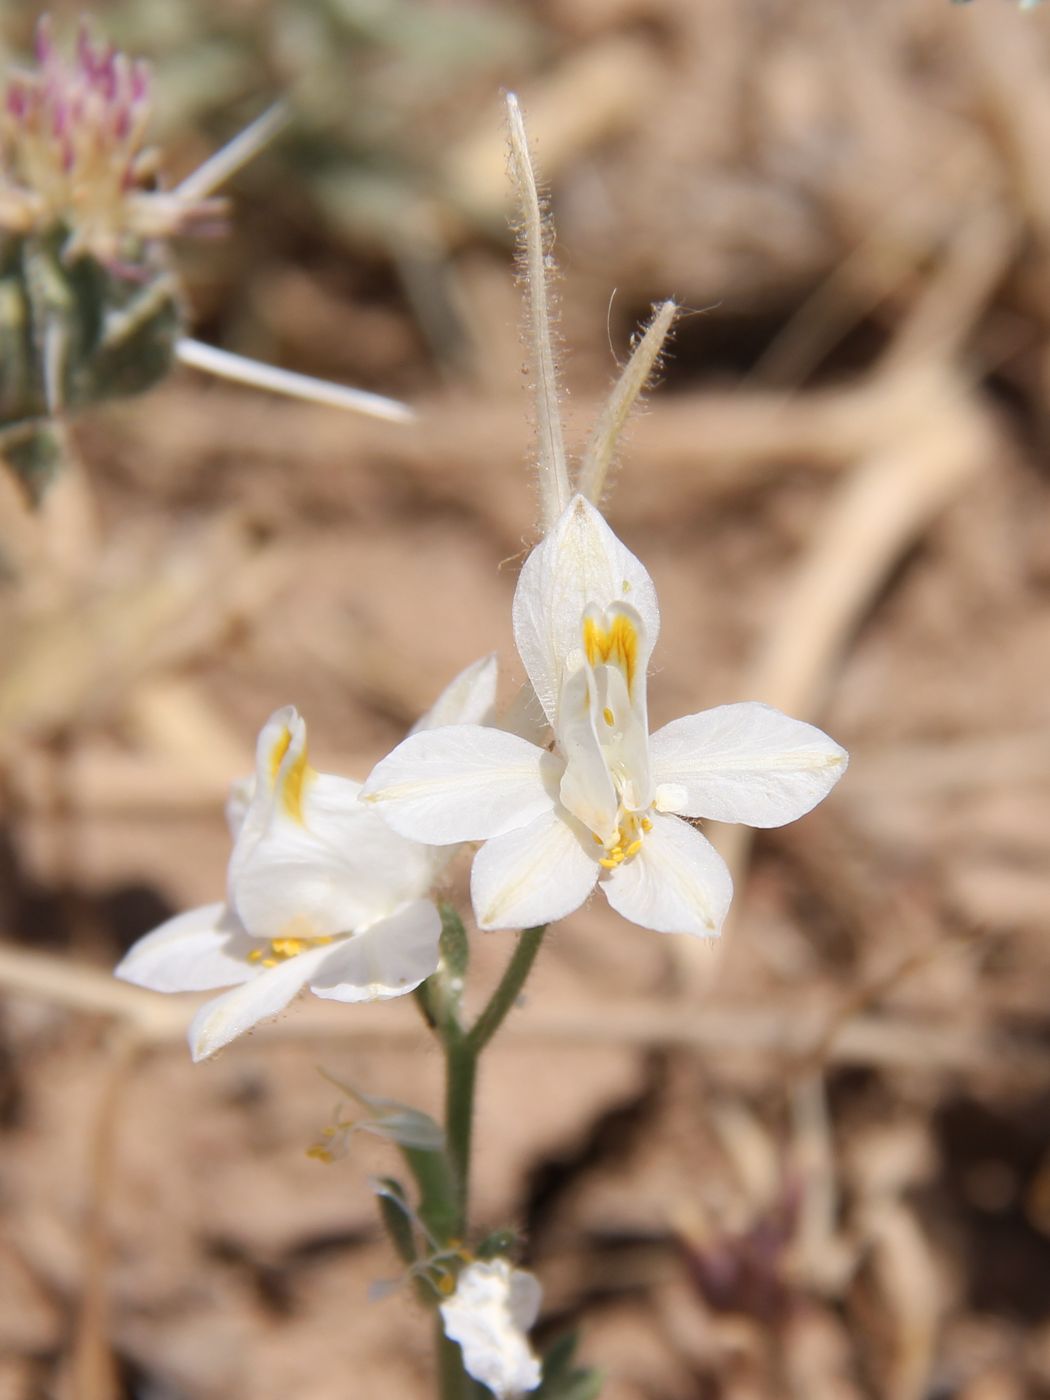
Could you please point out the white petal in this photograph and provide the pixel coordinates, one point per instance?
(746, 763)
(387, 960)
(533, 876)
(462, 783)
(524, 716)
(587, 789)
(238, 803)
(194, 952)
(226, 1017)
(677, 883)
(469, 699)
(580, 562)
(298, 882)
(489, 1315)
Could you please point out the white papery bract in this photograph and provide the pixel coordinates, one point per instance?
(606, 804)
(320, 892)
(490, 1315)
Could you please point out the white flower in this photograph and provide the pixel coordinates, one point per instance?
(320, 893)
(489, 1315)
(606, 804)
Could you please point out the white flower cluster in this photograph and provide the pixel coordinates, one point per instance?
(329, 881)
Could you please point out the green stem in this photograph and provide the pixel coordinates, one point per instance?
(461, 1068)
(506, 994)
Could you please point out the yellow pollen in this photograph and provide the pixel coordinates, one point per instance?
(628, 841)
(618, 643)
(287, 947)
(597, 840)
(608, 717)
(281, 949)
(320, 1154)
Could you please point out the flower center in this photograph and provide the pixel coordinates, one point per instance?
(279, 950)
(628, 841)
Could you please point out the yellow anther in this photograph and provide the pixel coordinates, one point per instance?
(609, 864)
(285, 947)
(597, 840)
(633, 848)
(617, 850)
(646, 824)
(608, 717)
(320, 1154)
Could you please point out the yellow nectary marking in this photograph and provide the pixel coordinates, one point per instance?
(618, 643)
(292, 788)
(280, 747)
(291, 793)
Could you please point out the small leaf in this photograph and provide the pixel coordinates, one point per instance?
(397, 1217)
(397, 1122)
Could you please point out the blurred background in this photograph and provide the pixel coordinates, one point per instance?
(812, 1163)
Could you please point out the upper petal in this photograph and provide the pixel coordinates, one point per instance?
(535, 875)
(387, 960)
(221, 1020)
(677, 883)
(579, 562)
(746, 763)
(462, 783)
(194, 952)
(468, 699)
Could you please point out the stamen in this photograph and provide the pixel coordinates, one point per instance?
(281, 949)
(608, 717)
